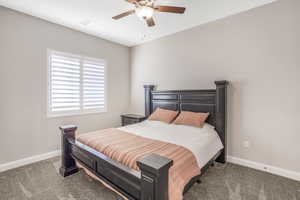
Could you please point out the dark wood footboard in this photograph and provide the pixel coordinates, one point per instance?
(151, 183)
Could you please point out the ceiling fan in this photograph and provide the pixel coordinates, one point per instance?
(145, 9)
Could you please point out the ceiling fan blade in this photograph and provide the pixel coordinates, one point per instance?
(171, 9)
(131, 1)
(130, 12)
(150, 22)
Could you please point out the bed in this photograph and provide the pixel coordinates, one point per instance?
(152, 179)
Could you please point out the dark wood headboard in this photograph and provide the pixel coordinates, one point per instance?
(212, 101)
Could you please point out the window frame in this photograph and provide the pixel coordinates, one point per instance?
(82, 111)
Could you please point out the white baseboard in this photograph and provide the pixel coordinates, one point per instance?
(29, 160)
(266, 168)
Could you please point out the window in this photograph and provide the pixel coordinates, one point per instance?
(76, 84)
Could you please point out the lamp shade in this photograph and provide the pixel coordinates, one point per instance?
(144, 12)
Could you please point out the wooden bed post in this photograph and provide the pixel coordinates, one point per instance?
(154, 177)
(221, 107)
(68, 165)
(148, 100)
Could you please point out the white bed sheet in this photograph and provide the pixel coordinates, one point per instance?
(203, 142)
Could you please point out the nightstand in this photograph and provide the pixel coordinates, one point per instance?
(128, 119)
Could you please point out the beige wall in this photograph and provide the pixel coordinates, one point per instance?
(24, 129)
(259, 53)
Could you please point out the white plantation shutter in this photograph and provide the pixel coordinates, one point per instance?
(76, 85)
(93, 85)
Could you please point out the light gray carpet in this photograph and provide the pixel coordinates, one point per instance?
(41, 181)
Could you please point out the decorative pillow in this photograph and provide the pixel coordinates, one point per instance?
(191, 119)
(163, 115)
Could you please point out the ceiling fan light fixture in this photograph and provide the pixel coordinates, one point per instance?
(145, 9)
(144, 12)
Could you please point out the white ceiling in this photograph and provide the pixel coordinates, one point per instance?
(129, 31)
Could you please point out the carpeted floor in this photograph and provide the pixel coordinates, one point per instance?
(41, 181)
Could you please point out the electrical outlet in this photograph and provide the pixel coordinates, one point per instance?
(246, 144)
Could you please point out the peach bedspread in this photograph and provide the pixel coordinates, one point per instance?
(127, 148)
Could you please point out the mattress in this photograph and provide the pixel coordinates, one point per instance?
(203, 142)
